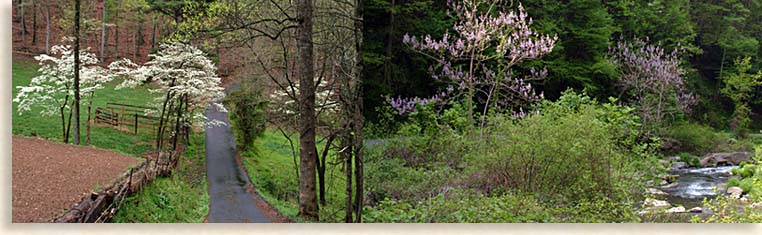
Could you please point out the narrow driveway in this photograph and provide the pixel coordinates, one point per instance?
(229, 200)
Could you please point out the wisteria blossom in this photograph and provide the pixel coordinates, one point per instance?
(479, 53)
(652, 78)
(184, 74)
(53, 88)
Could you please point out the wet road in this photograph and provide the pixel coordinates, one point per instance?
(229, 201)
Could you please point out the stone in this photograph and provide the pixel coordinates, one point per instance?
(663, 182)
(718, 159)
(679, 209)
(672, 185)
(654, 191)
(679, 165)
(735, 192)
(654, 203)
(696, 210)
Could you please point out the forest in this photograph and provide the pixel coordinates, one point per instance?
(407, 111)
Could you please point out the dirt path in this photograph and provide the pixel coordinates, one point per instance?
(49, 177)
(230, 200)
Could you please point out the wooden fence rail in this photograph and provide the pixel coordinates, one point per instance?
(127, 117)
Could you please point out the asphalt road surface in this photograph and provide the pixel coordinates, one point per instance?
(229, 200)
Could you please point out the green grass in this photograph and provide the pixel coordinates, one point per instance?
(271, 168)
(181, 198)
(31, 123)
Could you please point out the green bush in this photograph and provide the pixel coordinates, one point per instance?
(461, 206)
(246, 107)
(696, 138)
(574, 149)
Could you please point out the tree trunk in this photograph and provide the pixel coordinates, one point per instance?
(161, 117)
(321, 167)
(358, 116)
(89, 115)
(153, 32)
(23, 23)
(47, 26)
(103, 31)
(76, 70)
(34, 23)
(346, 153)
(308, 206)
(63, 120)
(116, 27)
(389, 46)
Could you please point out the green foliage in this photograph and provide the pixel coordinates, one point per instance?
(272, 170)
(690, 159)
(461, 206)
(602, 157)
(739, 87)
(422, 173)
(726, 209)
(696, 138)
(246, 107)
(181, 198)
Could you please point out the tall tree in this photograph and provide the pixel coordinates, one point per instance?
(47, 26)
(103, 30)
(76, 70)
(358, 119)
(308, 206)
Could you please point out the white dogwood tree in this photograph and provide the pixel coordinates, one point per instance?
(185, 76)
(53, 89)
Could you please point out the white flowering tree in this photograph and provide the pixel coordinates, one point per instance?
(187, 78)
(53, 88)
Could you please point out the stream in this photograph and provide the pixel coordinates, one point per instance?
(695, 184)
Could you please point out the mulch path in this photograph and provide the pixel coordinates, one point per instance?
(50, 177)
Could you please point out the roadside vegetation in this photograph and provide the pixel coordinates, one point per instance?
(180, 198)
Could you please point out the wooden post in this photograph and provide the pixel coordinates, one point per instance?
(136, 123)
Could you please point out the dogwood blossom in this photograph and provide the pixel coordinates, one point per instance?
(53, 87)
(182, 72)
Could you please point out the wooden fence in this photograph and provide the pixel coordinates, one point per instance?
(126, 117)
(101, 206)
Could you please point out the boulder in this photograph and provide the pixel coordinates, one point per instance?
(679, 165)
(735, 192)
(670, 145)
(654, 191)
(654, 203)
(696, 210)
(718, 159)
(672, 185)
(679, 209)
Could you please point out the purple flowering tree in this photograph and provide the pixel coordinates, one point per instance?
(652, 79)
(477, 56)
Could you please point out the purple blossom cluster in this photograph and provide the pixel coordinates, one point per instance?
(408, 105)
(480, 37)
(652, 77)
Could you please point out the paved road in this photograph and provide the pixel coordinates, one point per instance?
(230, 203)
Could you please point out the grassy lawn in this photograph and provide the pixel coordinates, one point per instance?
(271, 168)
(181, 198)
(49, 127)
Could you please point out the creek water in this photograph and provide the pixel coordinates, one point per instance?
(695, 184)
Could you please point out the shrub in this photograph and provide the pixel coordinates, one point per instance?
(461, 206)
(247, 114)
(695, 138)
(574, 149)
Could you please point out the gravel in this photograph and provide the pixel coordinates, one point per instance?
(49, 177)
